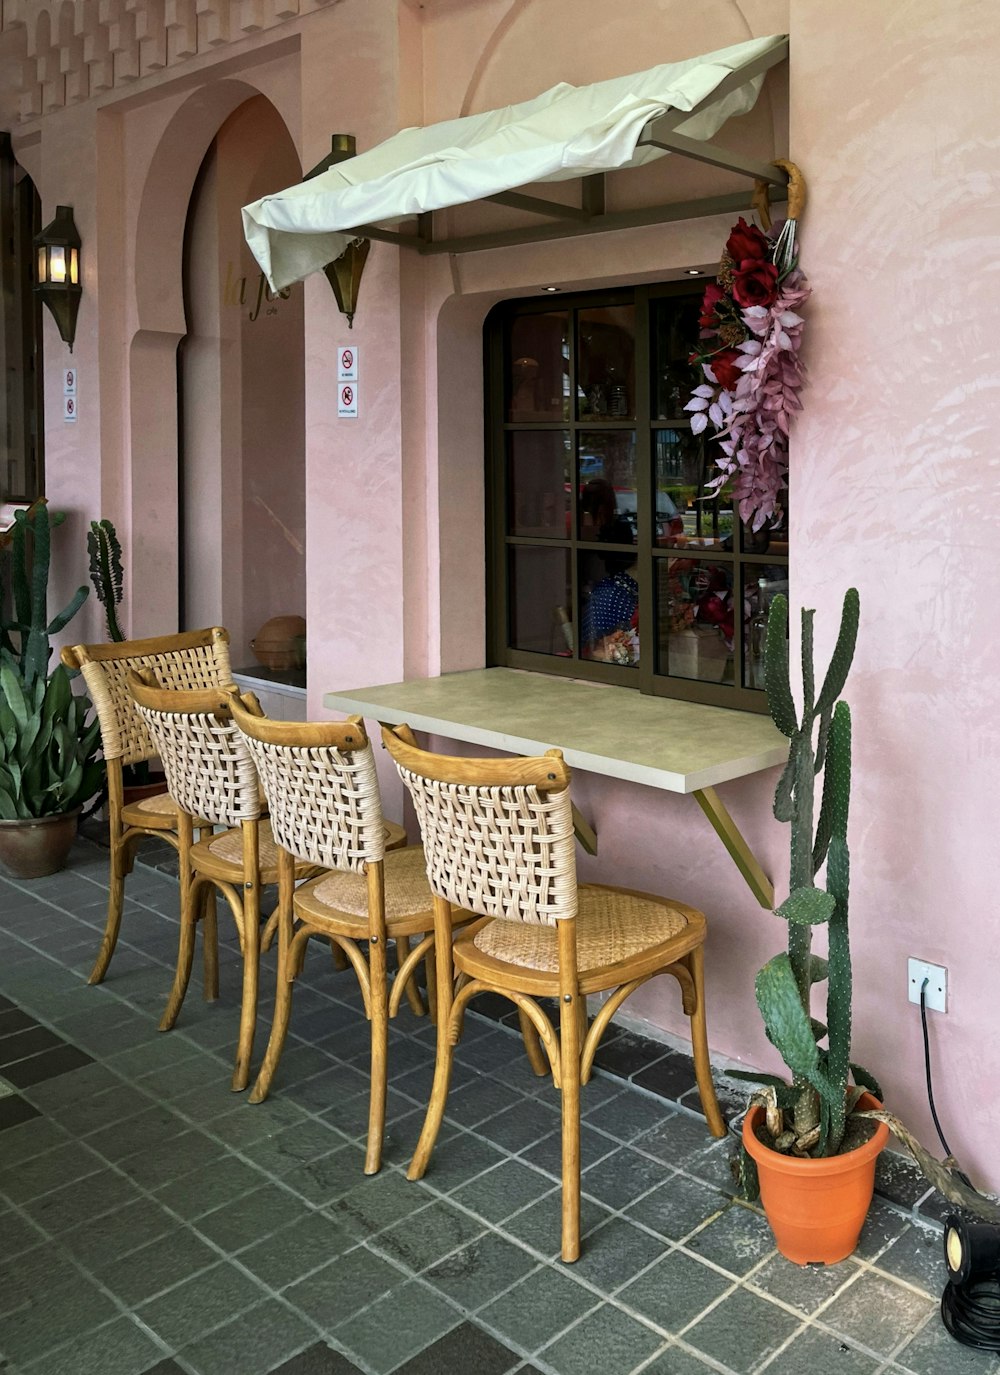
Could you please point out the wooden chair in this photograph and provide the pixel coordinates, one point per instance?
(325, 810)
(197, 659)
(498, 839)
(211, 773)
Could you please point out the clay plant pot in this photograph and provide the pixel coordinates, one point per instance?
(37, 846)
(816, 1208)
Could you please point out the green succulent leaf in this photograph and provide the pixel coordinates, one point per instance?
(788, 1025)
(808, 906)
(867, 1080)
(779, 692)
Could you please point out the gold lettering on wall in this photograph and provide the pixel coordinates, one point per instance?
(235, 291)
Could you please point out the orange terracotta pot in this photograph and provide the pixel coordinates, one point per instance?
(816, 1208)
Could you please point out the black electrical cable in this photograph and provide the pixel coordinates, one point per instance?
(971, 1313)
(930, 1088)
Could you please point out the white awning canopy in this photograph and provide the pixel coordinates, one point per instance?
(567, 132)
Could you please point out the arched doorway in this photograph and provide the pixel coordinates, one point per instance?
(241, 418)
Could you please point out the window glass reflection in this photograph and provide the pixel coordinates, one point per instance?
(538, 367)
(761, 584)
(606, 469)
(695, 614)
(606, 363)
(688, 511)
(609, 608)
(675, 338)
(538, 483)
(540, 601)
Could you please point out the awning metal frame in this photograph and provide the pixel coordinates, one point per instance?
(590, 217)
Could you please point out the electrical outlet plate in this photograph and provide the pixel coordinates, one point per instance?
(936, 975)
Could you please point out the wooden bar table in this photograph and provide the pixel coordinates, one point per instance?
(681, 747)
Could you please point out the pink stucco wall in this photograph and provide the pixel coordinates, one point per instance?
(893, 463)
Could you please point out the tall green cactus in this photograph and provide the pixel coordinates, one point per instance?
(106, 572)
(809, 1116)
(29, 583)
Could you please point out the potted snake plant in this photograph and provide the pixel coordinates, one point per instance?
(49, 762)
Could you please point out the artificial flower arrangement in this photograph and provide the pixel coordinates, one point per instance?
(751, 334)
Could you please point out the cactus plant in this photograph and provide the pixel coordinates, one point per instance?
(106, 572)
(809, 1116)
(812, 1116)
(29, 563)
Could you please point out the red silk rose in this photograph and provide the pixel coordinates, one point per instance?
(755, 284)
(727, 374)
(746, 241)
(713, 295)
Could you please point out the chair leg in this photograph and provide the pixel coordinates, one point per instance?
(340, 960)
(537, 1058)
(444, 1054)
(431, 974)
(569, 1047)
(251, 974)
(116, 899)
(210, 945)
(190, 897)
(379, 996)
(412, 991)
(279, 1027)
(288, 969)
(699, 1046)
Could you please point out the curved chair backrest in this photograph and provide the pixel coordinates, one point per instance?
(198, 659)
(210, 772)
(498, 833)
(321, 786)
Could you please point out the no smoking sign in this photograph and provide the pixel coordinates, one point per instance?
(347, 381)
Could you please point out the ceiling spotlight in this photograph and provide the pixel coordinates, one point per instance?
(693, 271)
(552, 288)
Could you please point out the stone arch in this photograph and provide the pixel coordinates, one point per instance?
(158, 276)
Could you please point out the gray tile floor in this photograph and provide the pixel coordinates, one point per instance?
(151, 1221)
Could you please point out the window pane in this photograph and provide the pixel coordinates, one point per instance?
(609, 608)
(694, 610)
(606, 467)
(687, 511)
(538, 367)
(761, 583)
(675, 338)
(540, 600)
(606, 363)
(538, 483)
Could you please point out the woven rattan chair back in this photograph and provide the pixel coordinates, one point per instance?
(498, 833)
(196, 660)
(210, 772)
(321, 786)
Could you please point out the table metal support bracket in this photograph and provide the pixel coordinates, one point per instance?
(584, 832)
(728, 832)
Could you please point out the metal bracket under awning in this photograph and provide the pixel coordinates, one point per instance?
(590, 217)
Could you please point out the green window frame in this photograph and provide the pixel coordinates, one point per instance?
(596, 491)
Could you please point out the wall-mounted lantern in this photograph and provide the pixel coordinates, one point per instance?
(344, 273)
(58, 271)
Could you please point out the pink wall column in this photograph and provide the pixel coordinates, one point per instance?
(895, 492)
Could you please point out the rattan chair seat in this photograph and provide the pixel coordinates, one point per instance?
(160, 811)
(407, 892)
(611, 926)
(229, 846)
